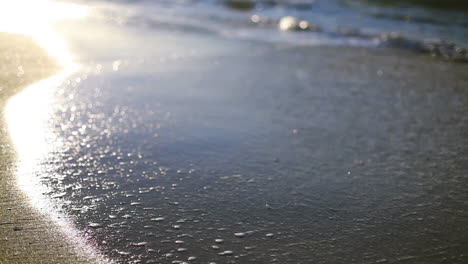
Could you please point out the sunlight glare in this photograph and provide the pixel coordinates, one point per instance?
(28, 114)
(35, 18)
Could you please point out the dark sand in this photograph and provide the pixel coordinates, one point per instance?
(25, 235)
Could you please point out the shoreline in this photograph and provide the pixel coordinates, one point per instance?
(341, 76)
(25, 234)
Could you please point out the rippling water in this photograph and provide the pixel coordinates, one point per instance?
(412, 19)
(193, 133)
(434, 29)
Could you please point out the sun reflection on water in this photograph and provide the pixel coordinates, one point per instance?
(29, 111)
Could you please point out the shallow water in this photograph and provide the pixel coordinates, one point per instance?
(179, 144)
(415, 20)
(439, 32)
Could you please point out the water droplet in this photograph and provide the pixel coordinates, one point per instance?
(269, 235)
(304, 25)
(116, 65)
(181, 249)
(239, 234)
(288, 23)
(192, 258)
(139, 244)
(157, 219)
(226, 253)
(219, 240)
(255, 18)
(59, 195)
(179, 241)
(95, 225)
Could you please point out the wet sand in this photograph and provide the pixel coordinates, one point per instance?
(25, 235)
(323, 154)
(309, 154)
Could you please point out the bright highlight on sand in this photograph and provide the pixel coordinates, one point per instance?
(28, 113)
(35, 18)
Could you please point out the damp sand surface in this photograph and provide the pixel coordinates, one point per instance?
(26, 236)
(180, 145)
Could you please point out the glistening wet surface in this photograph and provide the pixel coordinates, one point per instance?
(237, 152)
(173, 146)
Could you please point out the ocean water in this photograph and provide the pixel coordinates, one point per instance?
(196, 131)
(434, 28)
